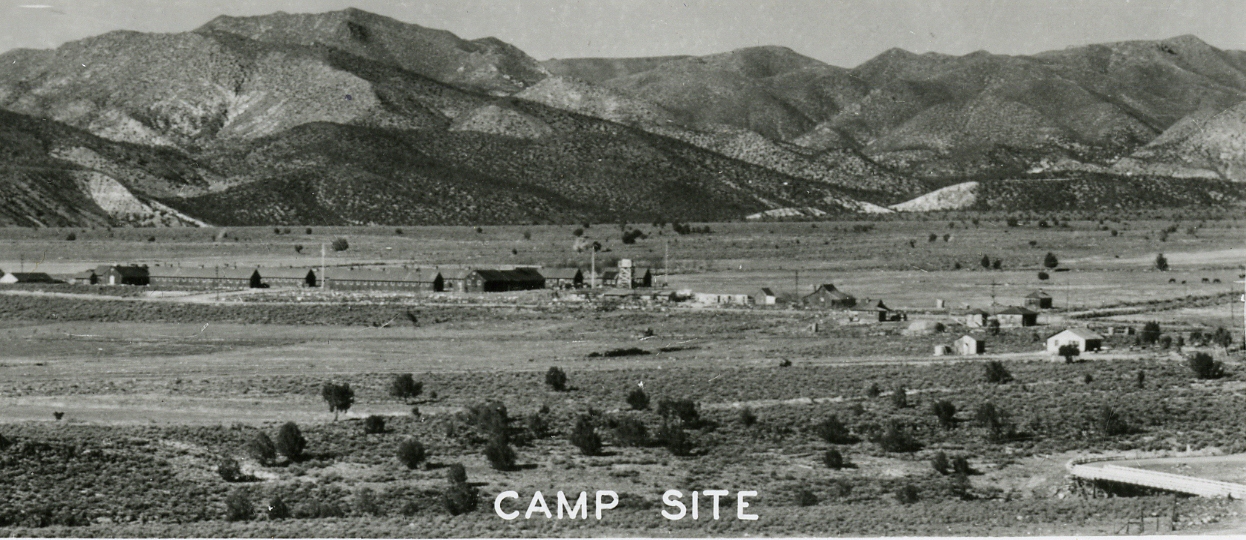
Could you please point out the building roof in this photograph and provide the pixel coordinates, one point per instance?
(1083, 333)
(561, 273)
(1038, 294)
(381, 275)
(125, 271)
(515, 275)
(1015, 310)
(871, 305)
(967, 337)
(186, 272)
(85, 274)
(286, 273)
(768, 292)
(831, 291)
(978, 311)
(29, 277)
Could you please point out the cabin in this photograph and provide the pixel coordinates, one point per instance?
(977, 318)
(86, 277)
(563, 278)
(608, 278)
(1017, 317)
(768, 296)
(123, 275)
(968, 345)
(14, 278)
(181, 277)
(871, 310)
(1038, 300)
(827, 296)
(518, 279)
(642, 277)
(289, 277)
(384, 279)
(1084, 339)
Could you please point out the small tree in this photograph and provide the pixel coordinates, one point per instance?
(1161, 263)
(907, 494)
(675, 439)
(456, 474)
(748, 417)
(996, 373)
(277, 509)
(229, 469)
(373, 424)
(873, 390)
(992, 327)
(900, 397)
(986, 262)
(340, 244)
(71, 237)
(638, 399)
(998, 423)
(1150, 333)
(834, 460)
(1050, 260)
(238, 506)
(557, 379)
(261, 449)
(960, 466)
(500, 454)
(405, 387)
(339, 397)
(1204, 367)
(897, 438)
(945, 411)
(631, 432)
(584, 436)
(460, 498)
(290, 441)
(940, 463)
(1069, 351)
(1110, 423)
(684, 409)
(411, 453)
(833, 431)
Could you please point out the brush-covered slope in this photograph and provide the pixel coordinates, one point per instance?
(598, 70)
(1206, 144)
(486, 64)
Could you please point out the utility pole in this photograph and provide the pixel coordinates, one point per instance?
(666, 263)
(592, 267)
(324, 282)
(1243, 313)
(993, 284)
(796, 282)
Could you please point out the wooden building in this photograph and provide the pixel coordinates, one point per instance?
(1017, 316)
(827, 296)
(968, 345)
(872, 310)
(14, 278)
(1038, 300)
(123, 275)
(384, 279)
(86, 277)
(563, 278)
(1083, 338)
(977, 318)
(518, 279)
(173, 277)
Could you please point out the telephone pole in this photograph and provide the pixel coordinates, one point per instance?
(324, 282)
(666, 263)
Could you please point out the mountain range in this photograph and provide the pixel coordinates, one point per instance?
(349, 117)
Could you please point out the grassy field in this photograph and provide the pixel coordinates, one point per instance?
(153, 392)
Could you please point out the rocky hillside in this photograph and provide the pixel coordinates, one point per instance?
(1206, 144)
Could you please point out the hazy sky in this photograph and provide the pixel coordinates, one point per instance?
(840, 32)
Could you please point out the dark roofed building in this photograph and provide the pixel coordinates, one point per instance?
(642, 277)
(13, 278)
(122, 275)
(1017, 316)
(563, 278)
(872, 309)
(1038, 300)
(86, 277)
(827, 296)
(518, 279)
(175, 277)
(397, 279)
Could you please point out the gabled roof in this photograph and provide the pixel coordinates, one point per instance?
(124, 271)
(1015, 310)
(561, 273)
(1083, 333)
(978, 311)
(29, 277)
(967, 337)
(832, 292)
(169, 272)
(1038, 294)
(768, 292)
(85, 274)
(516, 275)
(286, 273)
(875, 305)
(380, 275)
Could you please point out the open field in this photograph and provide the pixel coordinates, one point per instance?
(158, 388)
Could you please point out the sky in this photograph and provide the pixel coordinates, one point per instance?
(839, 32)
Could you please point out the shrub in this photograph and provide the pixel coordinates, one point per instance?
(896, 438)
(555, 378)
(986, 262)
(318, 510)
(638, 399)
(339, 397)
(584, 436)
(405, 387)
(631, 432)
(374, 424)
(537, 426)
(833, 459)
(1204, 367)
(1069, 351)
(940, 463)
(456, 474)
(290, 441)
(805, 498)
(833, 431)
(238, 506)
(261, 449)
(277, 509)
(907, 494)
(945, 411)
(491, 418)
(1050, 260)
(365, 503)
(675, 439)
(500, 454)
(748, 417)
(873, 391)
(960, 466)
(683, 409)
(1110, 423)
(996, 373)
(340, 244)
(411, 453)
(460, 498)
(71, 237)
(229, 469)
(1161, 263)
(1150, 333)
(996, 421)
(1042, 276)
(900, 397)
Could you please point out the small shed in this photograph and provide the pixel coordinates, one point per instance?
(123, 275)
(977, 318)
(1085, 340)
(13, 278)
(563, 278)
(1038, 300)
(872, 310)
(642, 277)
(86, 277)
(1017, 316)
(968, 345)
(827, 296)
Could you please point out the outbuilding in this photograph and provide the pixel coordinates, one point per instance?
(968, 345)
(86, 277)
(1017, 316)
(1038, 300)
(14, 278)
(123, 275)
(1083, 338)
(827, 296)
(872, 309)
(977, 318)
(518, 279)
(563, 278)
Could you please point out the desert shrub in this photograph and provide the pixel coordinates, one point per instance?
(683, 409)
(997, 422)
(1050, 260)
(277, 509)
(833, 459)
(460, 498)
(262, 449)
(945, 411)
(1088, 378)
(456, 474)
(340, 244)
(1150, 333)
(940, 463)
(675, 439)
(1221, 337)
(1204, 367)
(290, 441)
(638, 399)
(748, 417)
(411, 453)
(491, 418)
(4, 443)
(584, 436)
(900, 397)
(229, 469)
(631, 432)
(833, 431)
(365, 503)
(805, 498)
(500, 454)
(537, 426)
(1110, 423)
(405, 387)
(996, 373)
(238, 506)
(557, 379)
(1161, 263)
(1043, 276)
(318, 510)
(71, 237)
(896, 437)
(960, 466)
(339, 397)
(907, 494)
(985, 262)
(873, 391)
(374, 424)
